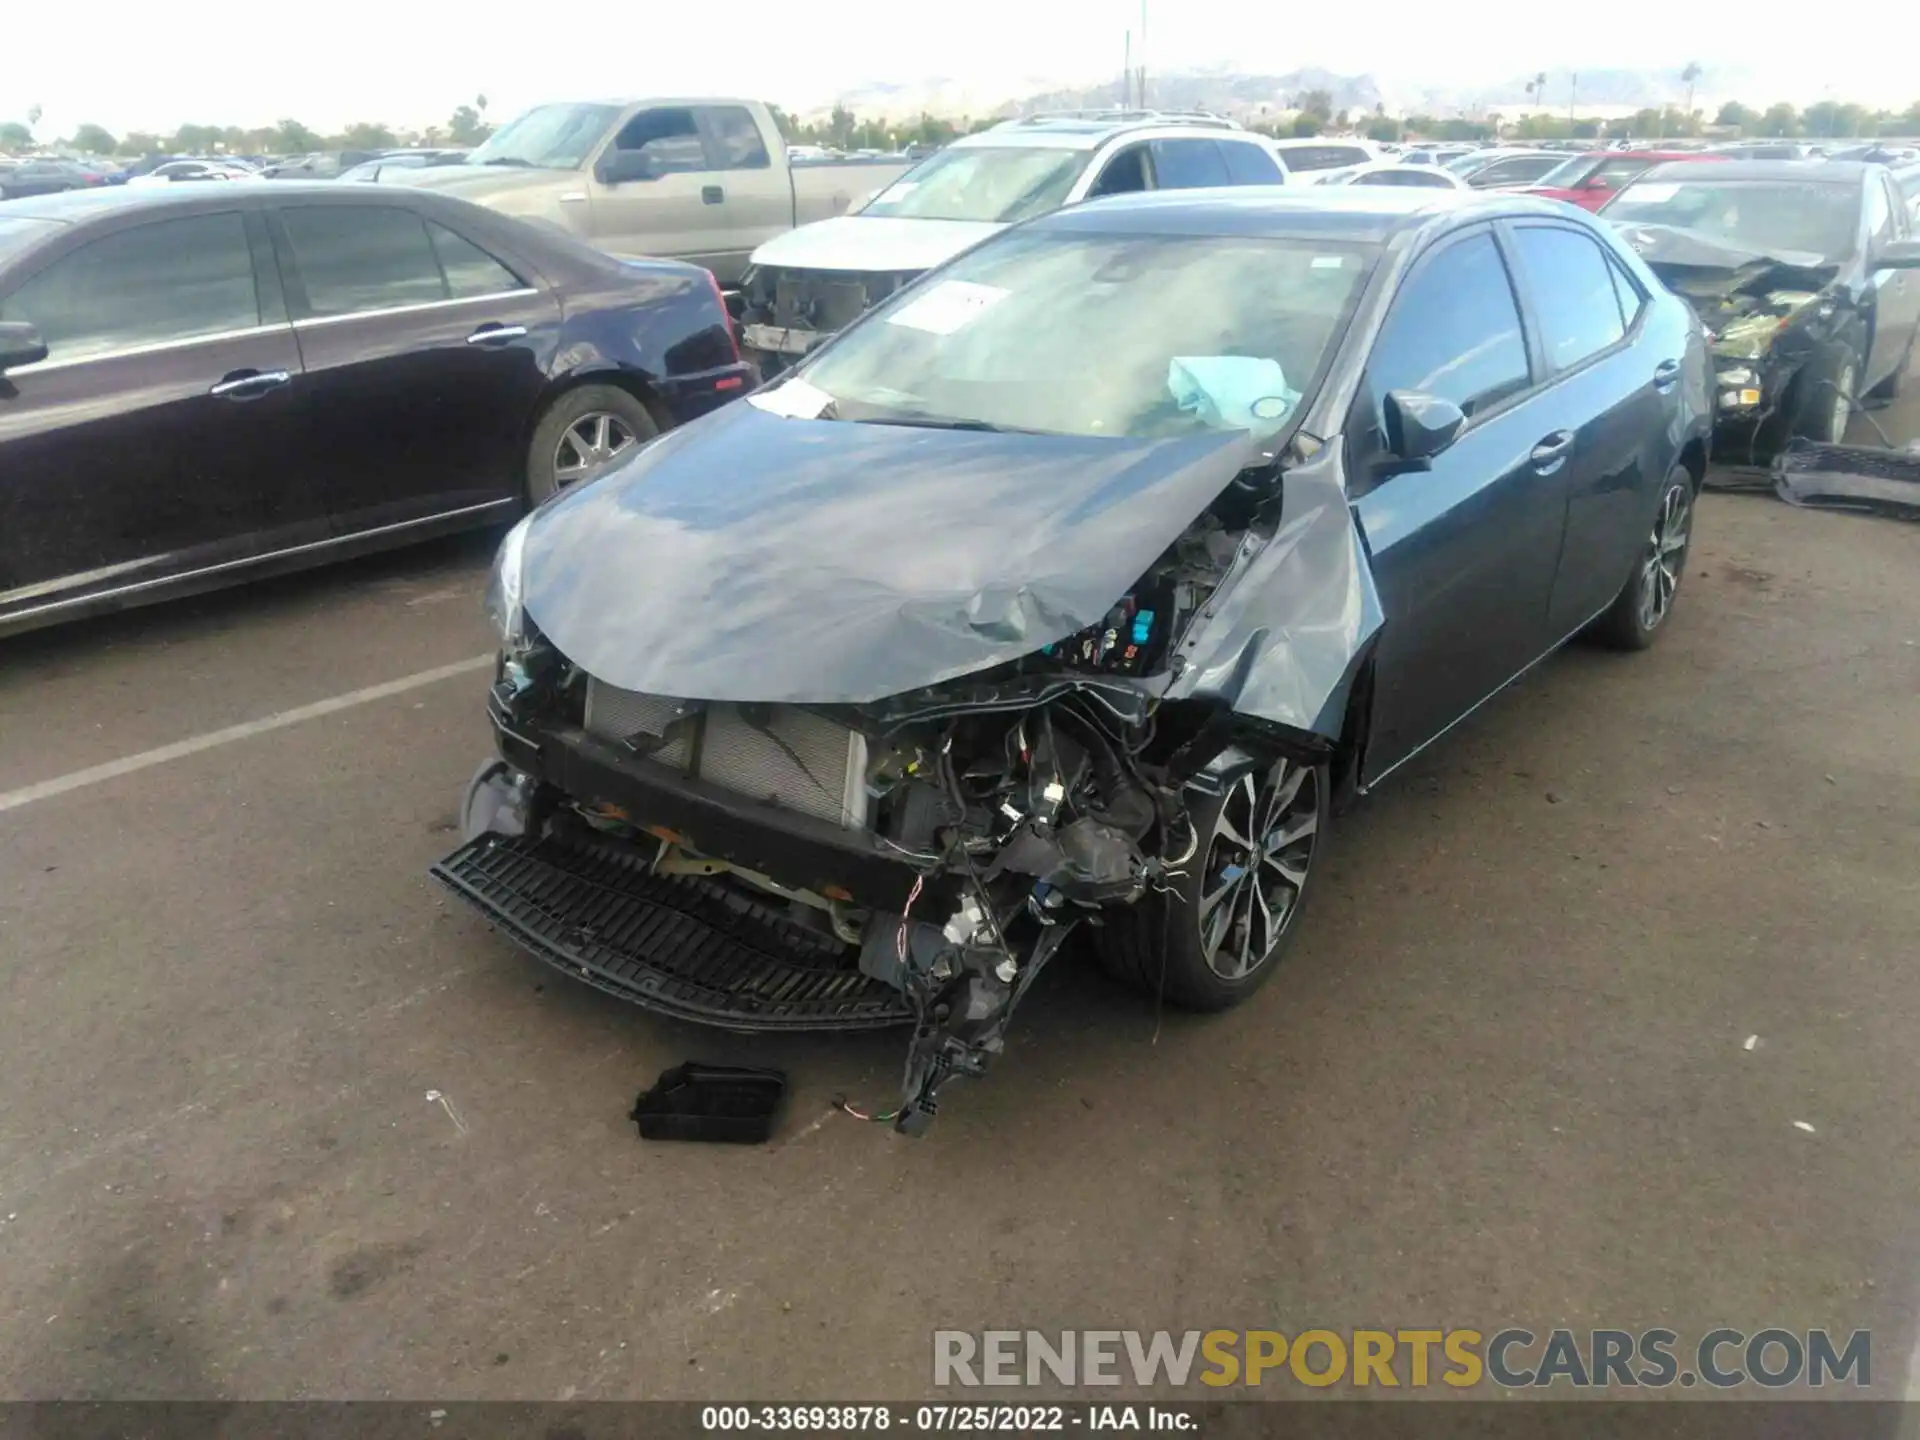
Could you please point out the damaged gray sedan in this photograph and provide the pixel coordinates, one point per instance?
(1074, 588)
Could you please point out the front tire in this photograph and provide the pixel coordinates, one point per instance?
(1234, 912)
(1826, 397)
(582, 434)
(1639, 613)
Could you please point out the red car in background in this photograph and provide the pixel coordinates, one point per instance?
(1592, 179)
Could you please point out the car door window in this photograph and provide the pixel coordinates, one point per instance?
(1627, 291)
(1612, 174)
(1249, 164)
(1187, 164)
(356, 258)
(1123, 174)
(470, 271)
(170, 280)
(1455, 331)
(1573, 293)
(668, 137)
(1879, 216)
(736, 138)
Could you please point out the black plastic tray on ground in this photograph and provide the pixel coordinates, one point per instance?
(732, 1104)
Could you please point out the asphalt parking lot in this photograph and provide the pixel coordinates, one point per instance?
(281, 1121)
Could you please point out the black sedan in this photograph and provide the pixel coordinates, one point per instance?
(1073, 584)
(202, 382)
(1801, 274)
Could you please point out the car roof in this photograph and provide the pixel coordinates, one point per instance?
(1371, 213)
(1812, 172)
(1088, 130)
(74, 206)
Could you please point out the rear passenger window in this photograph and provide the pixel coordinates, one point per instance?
(1573, 291)
(1187, 164)
(1124, 173)
(1627, 290)
(171, 280)
(470, 271)
(1249, 164)
(737, 138)
(354, 258)
(1454, 331)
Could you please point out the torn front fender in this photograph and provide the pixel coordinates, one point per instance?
(1283, 636)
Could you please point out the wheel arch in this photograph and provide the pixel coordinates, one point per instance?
(632, 381)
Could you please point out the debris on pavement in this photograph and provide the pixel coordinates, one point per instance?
(1803, 1125)
(728, 1104)
(1752, 1041)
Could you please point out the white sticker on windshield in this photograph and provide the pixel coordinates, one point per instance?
(1655, 193)
(1328, 262)
(947, 306)
(795, 400)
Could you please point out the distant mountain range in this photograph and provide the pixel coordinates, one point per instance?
(1242, 93)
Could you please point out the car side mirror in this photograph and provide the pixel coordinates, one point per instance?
(1420, 426)
(20, 344)
(1898, 255)
(617, 167)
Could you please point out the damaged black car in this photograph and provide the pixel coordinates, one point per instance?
(1798, 270)
(1073, 589)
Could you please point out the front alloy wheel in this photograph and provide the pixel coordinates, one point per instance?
(1256, 867)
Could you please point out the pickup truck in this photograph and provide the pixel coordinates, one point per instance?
(705, 180)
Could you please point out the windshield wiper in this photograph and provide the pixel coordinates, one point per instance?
(508, 160)
(945, 422)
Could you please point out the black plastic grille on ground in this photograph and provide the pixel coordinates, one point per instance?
(685, 946)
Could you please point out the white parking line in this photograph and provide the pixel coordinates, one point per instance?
(146, 759)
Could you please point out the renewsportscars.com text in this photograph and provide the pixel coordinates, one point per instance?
(1511, 1358)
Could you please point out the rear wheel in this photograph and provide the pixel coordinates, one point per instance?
(1233, 913)
(1639, 613)
(581, 435)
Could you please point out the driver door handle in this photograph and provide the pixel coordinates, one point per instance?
(1665, 373)
(1551, 453)
(497, 334)
(249, 384)
(712, 195)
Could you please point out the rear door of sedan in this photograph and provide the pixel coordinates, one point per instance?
(160, 436)
(424, 356)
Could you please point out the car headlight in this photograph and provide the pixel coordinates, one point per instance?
(505, 597)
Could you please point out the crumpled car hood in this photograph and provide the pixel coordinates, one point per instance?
(752, 557)
(873, 244)
(1700, 267)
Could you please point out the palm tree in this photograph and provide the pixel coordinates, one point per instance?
(1690, 75)
(1537, 86)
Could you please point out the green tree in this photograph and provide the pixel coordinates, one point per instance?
(196, 138)
(366, 135)
(1317, 103)
(1383, 127)
(290, 137)
(93, 140)
(1780, 120)
(1738, 115)
(465, 127)
(1829, 119)
(840, 127)
(783, 122)
(1691, 76)
(139, 142)
(14, 135)
(1306, 123)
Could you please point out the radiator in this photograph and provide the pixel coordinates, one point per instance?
(778, 753)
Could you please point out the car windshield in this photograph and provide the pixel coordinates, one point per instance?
(1192, 333)
(999, 183)
(16, 233)
(1569, 173)
(547, 137)
(1767, 217)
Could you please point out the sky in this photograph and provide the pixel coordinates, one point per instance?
(148, 68)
